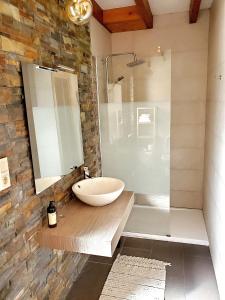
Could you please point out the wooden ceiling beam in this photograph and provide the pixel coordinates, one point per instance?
(145, 12)
(122, 14)
(123, 19)
(130, 18)
(194, 11)
(127, 26)
(98, 13)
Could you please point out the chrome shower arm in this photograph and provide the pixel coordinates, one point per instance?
(113, 55)
(119, 54)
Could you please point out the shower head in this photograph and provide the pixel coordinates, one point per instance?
(135, 62)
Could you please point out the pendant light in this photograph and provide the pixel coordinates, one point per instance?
(79, 11)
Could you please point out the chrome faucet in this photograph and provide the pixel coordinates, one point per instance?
(86, 173)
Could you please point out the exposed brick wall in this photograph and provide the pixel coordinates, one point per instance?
(38, 31)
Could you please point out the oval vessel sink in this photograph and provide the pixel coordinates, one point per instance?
(98, 191)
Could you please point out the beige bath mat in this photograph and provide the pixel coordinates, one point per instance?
(135, 278)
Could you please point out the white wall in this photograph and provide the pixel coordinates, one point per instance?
(101, 44)
(214, 181)
(189, 45)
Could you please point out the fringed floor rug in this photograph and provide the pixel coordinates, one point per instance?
(135, 278)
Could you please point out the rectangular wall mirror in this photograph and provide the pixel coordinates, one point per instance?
(53, 113)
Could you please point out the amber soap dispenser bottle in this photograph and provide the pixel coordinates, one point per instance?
(52, 215)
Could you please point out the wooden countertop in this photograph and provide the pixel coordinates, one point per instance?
(88, 229)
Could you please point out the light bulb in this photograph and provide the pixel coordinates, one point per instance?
(79, 11)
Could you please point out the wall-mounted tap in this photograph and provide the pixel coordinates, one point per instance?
(86, 173)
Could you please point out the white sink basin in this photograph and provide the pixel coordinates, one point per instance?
(98, 191)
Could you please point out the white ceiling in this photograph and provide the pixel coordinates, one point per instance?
(158, 7)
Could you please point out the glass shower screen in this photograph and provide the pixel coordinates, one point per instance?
(134, 112)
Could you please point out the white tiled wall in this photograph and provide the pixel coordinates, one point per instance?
(101, 47)
(214, 180)
(189, 45)
(101, 44)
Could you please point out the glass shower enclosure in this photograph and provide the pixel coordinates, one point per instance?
(134, 109)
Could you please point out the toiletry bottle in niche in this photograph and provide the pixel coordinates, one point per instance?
(52, 215)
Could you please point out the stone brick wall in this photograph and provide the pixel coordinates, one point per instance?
(38, 31)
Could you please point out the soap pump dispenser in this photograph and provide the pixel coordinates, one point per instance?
(52, 215)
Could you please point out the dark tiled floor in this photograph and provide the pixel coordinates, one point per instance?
(191, 276)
